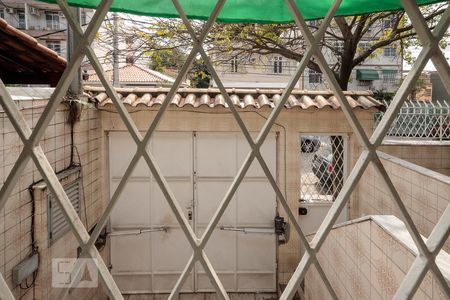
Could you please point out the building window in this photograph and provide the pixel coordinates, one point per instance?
(2, 13)
(278, 65)
(388, 23)
(390, 51)
(314, 76)
(52, 19)
(339, 46)
(234, 64)
(83, 18)
(21, 19)
(389, 76)
(314, 23)
(55, 46)
(364, 46)
(366, 83)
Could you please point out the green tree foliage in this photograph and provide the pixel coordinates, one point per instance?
(166, 59)
(349, 41)
(199, 75)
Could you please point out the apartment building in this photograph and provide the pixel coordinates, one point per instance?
(43, 21)
(381, 71)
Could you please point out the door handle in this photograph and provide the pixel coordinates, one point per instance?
(138, 231)
(256, 230)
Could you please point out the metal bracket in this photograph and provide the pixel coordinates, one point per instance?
(257, 230)
(137, 231)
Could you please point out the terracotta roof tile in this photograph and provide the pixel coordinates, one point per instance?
(29, 41)
(242, 98)
(133, 73)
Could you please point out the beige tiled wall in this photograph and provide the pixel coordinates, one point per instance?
(425, 193)
(433, 157)
(363, 260)
(289, 124)
(15, 218)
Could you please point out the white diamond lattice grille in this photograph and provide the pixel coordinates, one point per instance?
(424, 262)
(322, 169)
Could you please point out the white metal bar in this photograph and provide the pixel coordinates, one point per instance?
(5, 292)
(255, 147)
(141, 147)
(175, 293)
(328, 222)
(38, 155)
(411, 79)
(329, 75)
(412, 229)
(420, 266)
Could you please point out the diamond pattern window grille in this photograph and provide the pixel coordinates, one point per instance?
(322, 167)
(32, 150)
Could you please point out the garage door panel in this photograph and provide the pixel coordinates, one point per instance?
(154, 261)
(256, 203)
(170, 250)
(256, 252)
(131, 283)
(221, 249)
(268, 152)
(173, 152)
(210, 194)
(161, 213)
(204, 283)
(164, 283)
(129, 253)
(132, 208)
(122, 149)
(216, 154)
(251, 282)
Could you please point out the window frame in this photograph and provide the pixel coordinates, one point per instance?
(52, 20)
(277, 64)
(21, 19)
(52, 45)
(317, 76)
(390, 51)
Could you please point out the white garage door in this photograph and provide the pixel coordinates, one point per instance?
(199, 168)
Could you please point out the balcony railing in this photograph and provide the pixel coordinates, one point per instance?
(420, 120)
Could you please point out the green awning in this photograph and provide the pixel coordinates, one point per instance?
(247, 11)
(367, 75)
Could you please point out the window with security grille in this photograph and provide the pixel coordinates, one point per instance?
(278, 65)
(52, 19)
(57, 224)
(339, 46)
(390, 51)
(55, 46)
(322, 166)
(314, 76)
(389, 76)
(364, 46)
(389, 23)
(234, 64)
(83, 18)
(21, 19)
(366, 83)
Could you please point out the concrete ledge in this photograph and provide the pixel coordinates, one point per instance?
(416, 168)
(414, 142)
(397, 229)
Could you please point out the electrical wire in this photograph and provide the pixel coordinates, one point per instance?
(82, 184)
